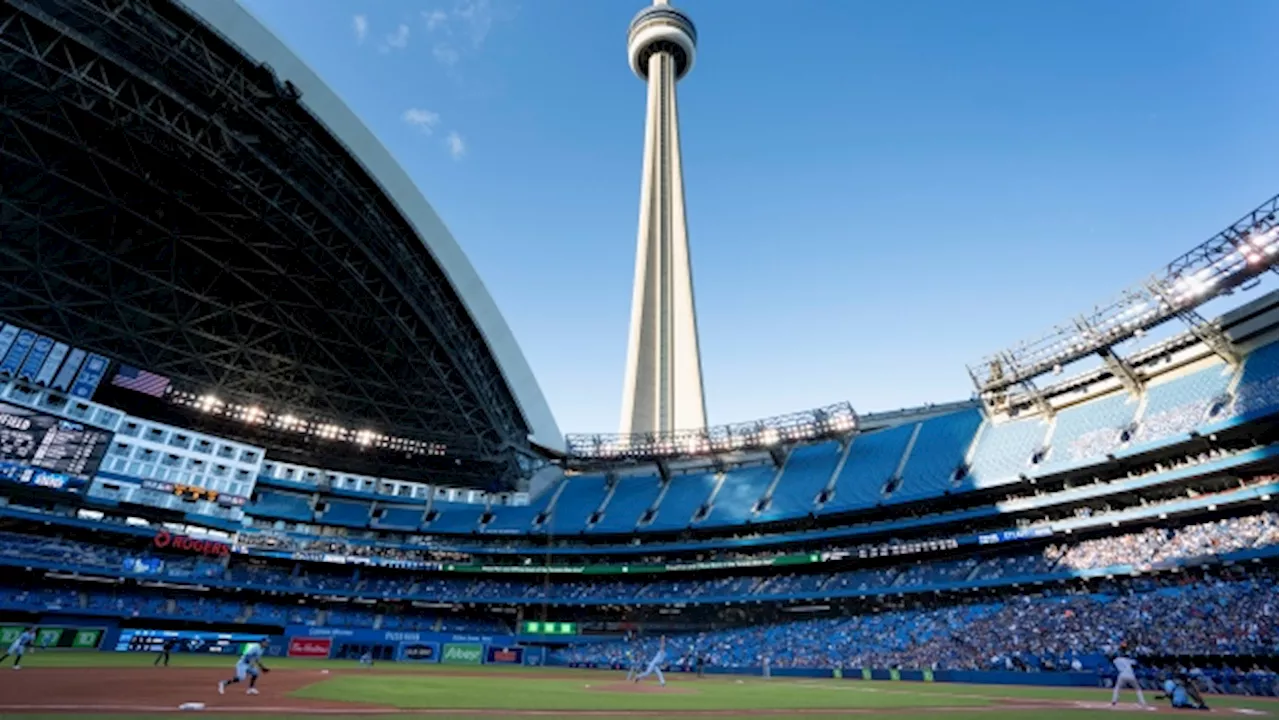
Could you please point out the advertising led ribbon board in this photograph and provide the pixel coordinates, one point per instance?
(193, 641)
(54, 636)
(45, 451)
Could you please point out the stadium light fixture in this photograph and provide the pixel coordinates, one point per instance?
(807, 426)
(1225, 261)
(323, 428)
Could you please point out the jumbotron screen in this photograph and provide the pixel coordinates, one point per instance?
(192, 641)
(40, 449)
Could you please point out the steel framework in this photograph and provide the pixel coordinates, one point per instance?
(1227, 260)
(166, 202)
(831, 421)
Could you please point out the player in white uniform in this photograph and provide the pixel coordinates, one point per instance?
(249, 664)
(1126, 678)
(655, 665)
(19, 647)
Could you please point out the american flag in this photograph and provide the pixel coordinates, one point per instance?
(132, 378)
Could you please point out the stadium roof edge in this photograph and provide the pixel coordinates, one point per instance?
(243, 30)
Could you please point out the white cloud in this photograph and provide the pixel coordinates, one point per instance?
(360, 24)
(397, 40)
(424, 120)
(476, 17)
(457, 148)
(435, 19)
(468, 23)
(445, 54)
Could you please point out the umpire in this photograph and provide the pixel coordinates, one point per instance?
(168, 647)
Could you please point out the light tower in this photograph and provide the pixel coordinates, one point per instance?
(663, 387)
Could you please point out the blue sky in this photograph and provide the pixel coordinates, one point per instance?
(878, 192)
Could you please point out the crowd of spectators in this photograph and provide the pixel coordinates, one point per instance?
(1230, 617)
(154, 604)
(1136, 550)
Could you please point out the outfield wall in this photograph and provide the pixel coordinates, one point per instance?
(417, 646)
(977, 677)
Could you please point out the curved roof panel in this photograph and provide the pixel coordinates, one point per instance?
(243, 30)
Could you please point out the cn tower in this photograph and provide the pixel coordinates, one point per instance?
(663, 388)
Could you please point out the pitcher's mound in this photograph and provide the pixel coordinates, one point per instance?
(630, 687)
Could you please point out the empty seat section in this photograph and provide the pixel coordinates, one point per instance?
(738, 496)
(939, 450)
(455, 517)
(400, 518)
(510, 519)
(581, 497)
(285, 506)
(686, 494)
(342, 512)
(1090, 430)
(1258, 388)
(807, 472)
(1004, 451)
(1182, 404)
(873, 458)
(632, 497)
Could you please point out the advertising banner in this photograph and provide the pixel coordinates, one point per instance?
(505, 656)
(309, 647)
(462, 654)
(420, 652)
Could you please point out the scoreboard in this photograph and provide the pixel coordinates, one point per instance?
(195, 641)
(533, 627)
(46, 451)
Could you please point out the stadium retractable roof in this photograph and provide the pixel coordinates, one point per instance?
(179, 192)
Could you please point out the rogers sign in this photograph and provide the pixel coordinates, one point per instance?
(168, 541)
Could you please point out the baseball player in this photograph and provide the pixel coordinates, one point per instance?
(366, 660)
(19, 647)
(249, 664)
(655, 665)
(1126, 678)
(1180, 696)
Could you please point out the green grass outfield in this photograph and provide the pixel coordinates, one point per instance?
(422, 687)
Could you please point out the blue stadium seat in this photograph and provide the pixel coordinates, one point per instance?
(281, 505)
(511, 519)
(630, 500)
(686, 494)
(939, 449)
(807, 472)
(1257, 389)
(454, 517)
(873, 458)
(400, 517)
(343, 512)
(1090, 430)
(580, 497)
(1004, 451)
(738, 495)
(1182, 404)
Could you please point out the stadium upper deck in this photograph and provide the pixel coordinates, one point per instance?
(183, 197)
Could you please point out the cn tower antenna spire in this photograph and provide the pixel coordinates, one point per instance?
(663, 386)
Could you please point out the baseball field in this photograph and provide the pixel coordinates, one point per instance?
(100, 685)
